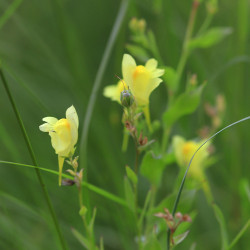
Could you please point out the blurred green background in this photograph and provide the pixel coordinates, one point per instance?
(51, 51)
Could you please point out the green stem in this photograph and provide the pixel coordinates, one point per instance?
(39, 176)
(185, 51)
(125, 140)
(165, 138)
(146, 112)
(182, 62)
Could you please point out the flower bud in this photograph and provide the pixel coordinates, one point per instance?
(127, 99)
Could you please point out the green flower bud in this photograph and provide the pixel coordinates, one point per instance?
(127, 99)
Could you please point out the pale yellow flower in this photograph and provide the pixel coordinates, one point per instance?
(114, 91)
(141, 80)
(184, 151)
(64, 135)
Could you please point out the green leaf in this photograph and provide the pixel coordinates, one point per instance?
(179, 238)
(84, 242)
(170, 78)
(220, 218)
(210, 37)
(129, 194)
(131, 175)
(185, 104)
(152, 168)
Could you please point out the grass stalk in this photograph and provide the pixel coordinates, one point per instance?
(98, 79)
(34, 161)
(185, 175)
(90, 187)
(97, 83)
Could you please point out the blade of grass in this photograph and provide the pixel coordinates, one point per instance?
(9, 12)
(98, 79)
(238, 236)
(30, 149)
(91, 187)
(97, 83)
(185, 175)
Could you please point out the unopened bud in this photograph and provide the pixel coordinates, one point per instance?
(127, 99)
(137, 25)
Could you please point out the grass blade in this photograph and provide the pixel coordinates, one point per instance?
(98, 79)
(30, 149)
(238, 236)
(90, 187)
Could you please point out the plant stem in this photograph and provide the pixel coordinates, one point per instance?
(182, 63)
(185, 51)
(34, 161)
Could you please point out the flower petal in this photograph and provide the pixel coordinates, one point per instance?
(46, 127)
(111, 92)
(128, 67)
(50, 120)
(72, 115)
(155, 82)
(151, 64)
(158, 73)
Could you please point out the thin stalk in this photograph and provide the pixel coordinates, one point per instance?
(97, 83)
(239, 235)
(182, 62)
(188, 35)
(31, 152)
(185, 175)
(98, 80)
(89, 186)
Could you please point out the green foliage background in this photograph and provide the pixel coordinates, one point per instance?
(51, 51)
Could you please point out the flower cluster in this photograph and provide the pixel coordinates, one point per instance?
(141, 80)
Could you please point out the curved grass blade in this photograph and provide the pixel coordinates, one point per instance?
(30, 149)
(91, 187)
(185, 175)
(238, 236)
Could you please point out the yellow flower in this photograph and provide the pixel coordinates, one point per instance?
(114, 91)
(184, 151)
(64, 135)
(141, 80)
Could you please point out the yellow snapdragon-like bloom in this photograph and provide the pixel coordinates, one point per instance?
(114, 91)
(184, 151)
(142, 80)
(64, 135)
